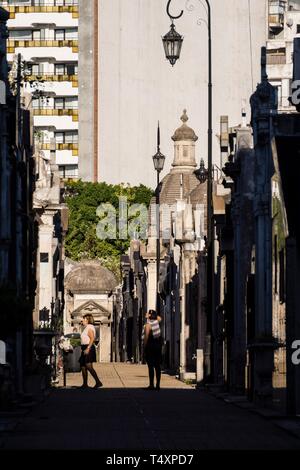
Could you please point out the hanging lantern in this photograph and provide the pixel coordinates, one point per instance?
(201, 173)
(159, 161)
(172, 42)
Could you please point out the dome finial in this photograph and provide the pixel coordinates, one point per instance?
(184, 132)
(184, 118)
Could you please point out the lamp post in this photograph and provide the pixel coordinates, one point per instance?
(159, 161)
(172, 45)
(172, 42)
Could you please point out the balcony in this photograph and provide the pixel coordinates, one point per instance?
(14, 43)
(34, 6)
(65, 146)
(73, 112)
(54, 77)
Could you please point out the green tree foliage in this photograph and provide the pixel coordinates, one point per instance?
(83, 199)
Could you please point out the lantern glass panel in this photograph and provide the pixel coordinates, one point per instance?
(159, 161)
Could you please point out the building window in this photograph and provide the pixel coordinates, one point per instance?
(71, 33)
(72, 69)
(37, 69)
(66, 69)
(20, 34)
(59, 103)
(59, 137)
(59, 34)
(66, 34)
(298, 28)
(40, 103)
(68, 137)
(59, 69)
(68, 102)
(68, 171)
(47, 2)
(36, 35)
(71, 137)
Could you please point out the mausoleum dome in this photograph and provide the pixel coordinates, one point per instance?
(90, 276)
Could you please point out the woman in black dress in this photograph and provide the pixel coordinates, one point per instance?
(88, 351)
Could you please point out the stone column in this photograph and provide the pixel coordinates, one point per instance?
(45, 261)
(263, 104)
(202, 320)
(182, 365)
(151, 284)
(239, 339)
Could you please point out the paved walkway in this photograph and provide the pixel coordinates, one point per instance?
(122, 415)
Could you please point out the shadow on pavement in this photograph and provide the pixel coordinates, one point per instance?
(133, 418)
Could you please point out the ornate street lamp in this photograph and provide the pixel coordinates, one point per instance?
(158, 158)
(172, 42)
(159, 161)
(209, 176)
(201, 173)
(44, 315)
(172, 49)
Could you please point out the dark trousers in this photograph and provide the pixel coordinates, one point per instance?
(153, 359)
(151, 368)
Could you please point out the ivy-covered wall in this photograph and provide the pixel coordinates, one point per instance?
(83, 199)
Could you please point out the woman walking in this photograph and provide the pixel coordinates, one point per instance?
(88, 351)
(152, 348)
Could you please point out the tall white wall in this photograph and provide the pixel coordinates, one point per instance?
(138, 86)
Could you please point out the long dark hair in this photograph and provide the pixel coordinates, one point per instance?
(152, 315)
(89, 318)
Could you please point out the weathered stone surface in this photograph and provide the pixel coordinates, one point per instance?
(184, 132)
(90, 276)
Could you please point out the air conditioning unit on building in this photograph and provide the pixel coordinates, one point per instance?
(276, 16)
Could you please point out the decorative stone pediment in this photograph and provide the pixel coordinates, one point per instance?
(100, 314)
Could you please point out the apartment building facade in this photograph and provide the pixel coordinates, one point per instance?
(283, 27)
(45, 33)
